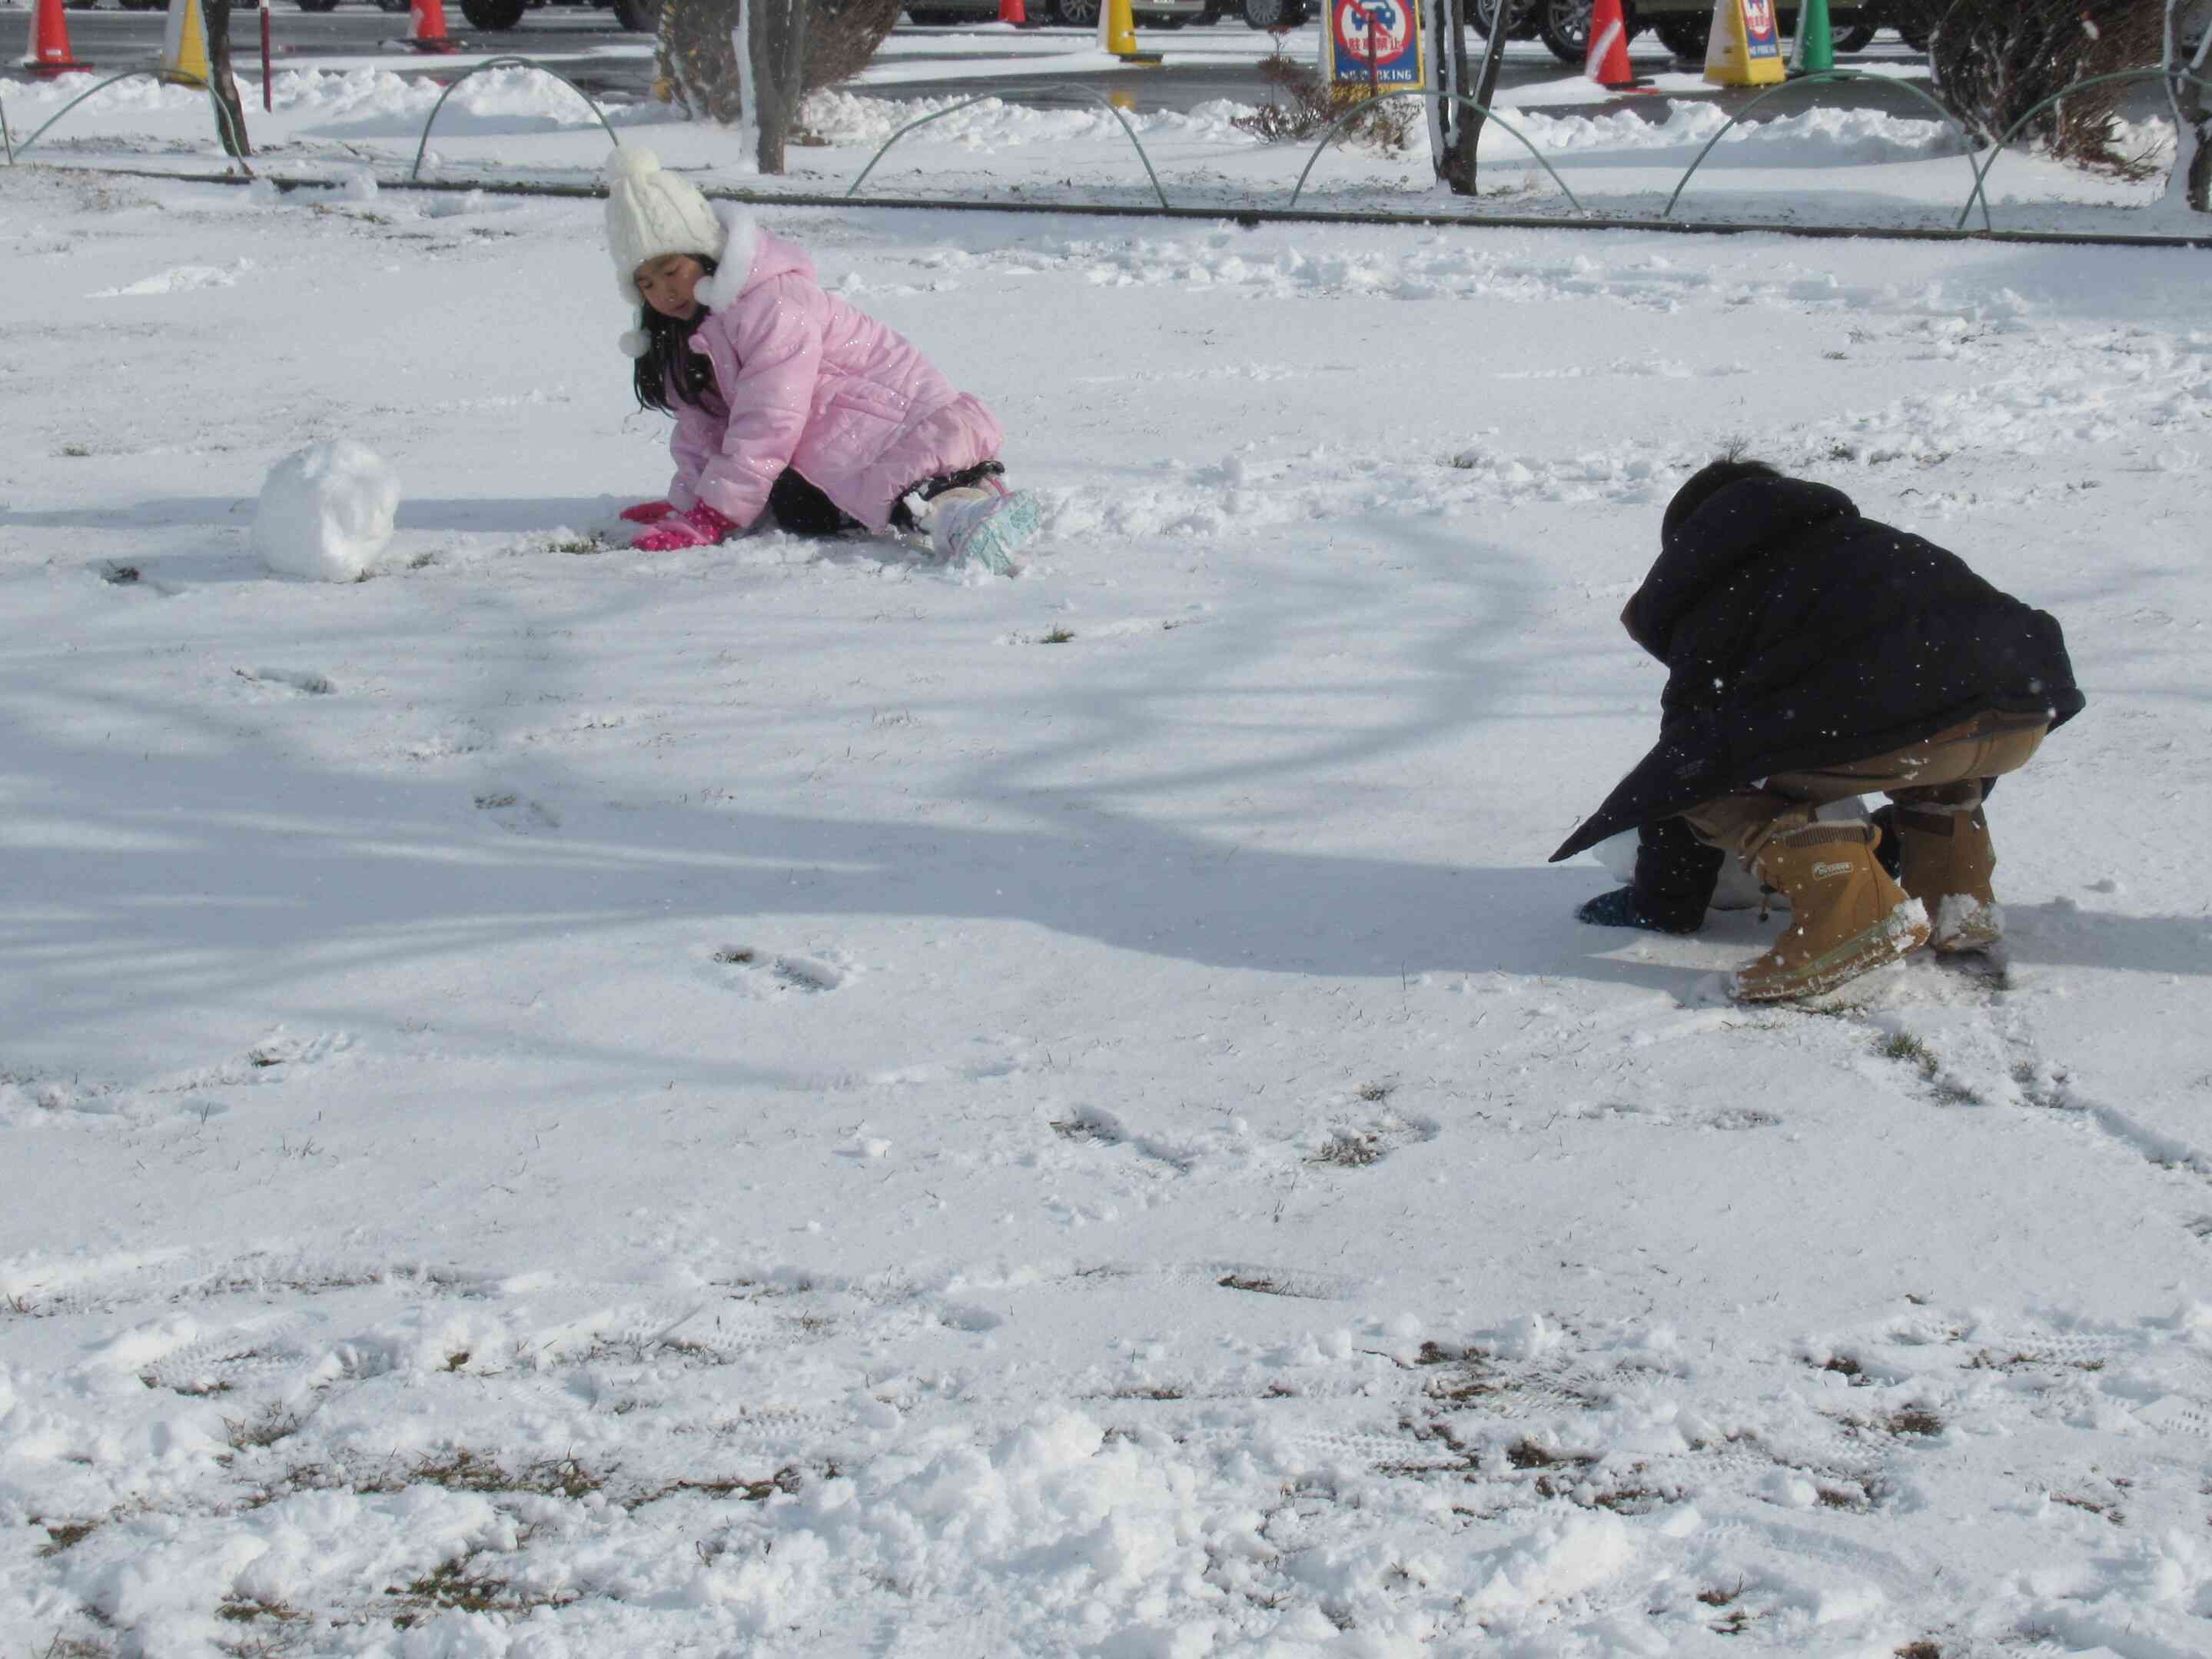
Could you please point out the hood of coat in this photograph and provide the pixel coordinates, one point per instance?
(750, 256)
(1736, 525)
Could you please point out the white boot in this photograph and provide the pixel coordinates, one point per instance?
(983, 524)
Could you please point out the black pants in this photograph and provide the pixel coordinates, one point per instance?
(801, 509)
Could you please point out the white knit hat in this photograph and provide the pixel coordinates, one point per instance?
(650, 213)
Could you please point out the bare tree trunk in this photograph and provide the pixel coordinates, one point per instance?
(777, 29)
(1484, 89)
(1459, 126)
(2191, 182)
(232, 122)
(698, 60)
(715, 62)
(1447, 141)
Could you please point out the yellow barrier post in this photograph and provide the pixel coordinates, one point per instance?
(183, 45)
(1745, 48)
(1117, 33)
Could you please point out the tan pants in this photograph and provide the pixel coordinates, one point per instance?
(1946, 771)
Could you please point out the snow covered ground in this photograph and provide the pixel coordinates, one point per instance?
(784, 1100)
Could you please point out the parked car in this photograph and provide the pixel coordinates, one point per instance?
(639, 16)
(1684, 25)
(1072, 13)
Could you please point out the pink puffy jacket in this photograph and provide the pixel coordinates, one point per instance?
(810, 382)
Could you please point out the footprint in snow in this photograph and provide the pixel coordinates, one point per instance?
(1350, 1146)
(766, 972)
(518, 814)
(297, 679)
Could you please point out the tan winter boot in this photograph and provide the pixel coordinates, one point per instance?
(1946, 863)
(1846, 915)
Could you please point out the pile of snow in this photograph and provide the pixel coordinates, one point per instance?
(843, 119)
(326, 512)
(1818, 138)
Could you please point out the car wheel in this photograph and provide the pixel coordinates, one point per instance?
(930, 18)
(1484, 17)
(1076, 14)
(1274, 13)
(1915, 20)
(1565, 26)
(493, 14)
(1685, 37)
(318, 5)
(637, 16)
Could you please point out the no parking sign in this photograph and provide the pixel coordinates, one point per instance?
(1372, 44)
(1744, 49)
(1762, 35)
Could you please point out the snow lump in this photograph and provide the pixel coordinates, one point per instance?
(326, 512)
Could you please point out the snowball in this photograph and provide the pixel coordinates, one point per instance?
(326, 512)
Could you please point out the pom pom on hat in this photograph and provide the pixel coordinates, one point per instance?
(652, 213)
(634, 342)
(628, 162)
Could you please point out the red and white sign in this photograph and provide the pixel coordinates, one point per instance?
(1372, 31)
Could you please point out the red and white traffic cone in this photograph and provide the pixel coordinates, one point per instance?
(49, 42)
(1607, 64)
(429, 28)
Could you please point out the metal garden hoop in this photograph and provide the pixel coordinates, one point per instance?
(235, 140)
(1981, 171)
(1082, 93)
(1329, 137)
(599, 115)
(1736, 120)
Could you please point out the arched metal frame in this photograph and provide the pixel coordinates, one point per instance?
(6, 138)
(421, 149)
(1736, 120)
(1364, 105)
(177, 77)
(1082, 93)
(1982, 170)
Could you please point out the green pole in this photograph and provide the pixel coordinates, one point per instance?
(1815, 47)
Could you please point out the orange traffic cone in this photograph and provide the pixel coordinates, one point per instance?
(1607, 65)
(430, 28)
(1014, 12)
(50, 48)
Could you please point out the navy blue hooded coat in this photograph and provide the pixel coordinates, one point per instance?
(1797, 636)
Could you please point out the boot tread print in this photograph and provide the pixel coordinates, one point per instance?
(1846, 915)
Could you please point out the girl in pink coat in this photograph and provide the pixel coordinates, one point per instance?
(791, 407)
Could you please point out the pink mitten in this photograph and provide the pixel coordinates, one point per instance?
(649, 512)
(701, 527)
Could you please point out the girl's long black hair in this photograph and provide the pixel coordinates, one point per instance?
(669, 363)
